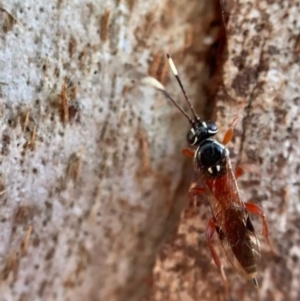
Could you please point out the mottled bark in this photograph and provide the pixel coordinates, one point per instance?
(92, 177)
(91, 169)
(261, 76)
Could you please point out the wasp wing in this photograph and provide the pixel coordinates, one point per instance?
(234, 227)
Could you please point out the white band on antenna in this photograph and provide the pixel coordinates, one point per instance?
(151, 81)
(172, 65)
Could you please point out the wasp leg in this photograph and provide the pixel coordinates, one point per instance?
(229, 133)
(239, 172)
(188, 152)
(257, 210)
(195, 191)
(242, 168)
(209, 232)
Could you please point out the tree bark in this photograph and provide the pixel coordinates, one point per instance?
(92, 177)
(260, 85)
(91, 169)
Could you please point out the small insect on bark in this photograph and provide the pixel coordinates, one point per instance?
(217, 182)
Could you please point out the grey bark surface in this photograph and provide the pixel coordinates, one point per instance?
(92, 177)
(91, 169)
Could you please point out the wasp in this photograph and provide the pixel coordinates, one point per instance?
(216, 180)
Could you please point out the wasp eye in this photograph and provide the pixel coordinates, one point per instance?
(191, 137)
(212, 128)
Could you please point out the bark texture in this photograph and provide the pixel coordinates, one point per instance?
(92, 178)
(260, 76)
(91, 169)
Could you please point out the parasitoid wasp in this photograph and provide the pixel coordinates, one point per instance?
(217, 181)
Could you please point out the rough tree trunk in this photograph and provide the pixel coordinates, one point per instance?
(261, 76)
(92, 178)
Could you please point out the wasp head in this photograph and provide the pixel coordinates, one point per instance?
(201, 131)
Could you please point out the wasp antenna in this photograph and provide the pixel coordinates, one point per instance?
(172, 65)
(157, 85)
(151, 81)
(175, 72)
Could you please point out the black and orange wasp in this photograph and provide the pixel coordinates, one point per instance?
(217, 181)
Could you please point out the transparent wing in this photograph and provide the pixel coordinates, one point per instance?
(234, 227)
(239, 242)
